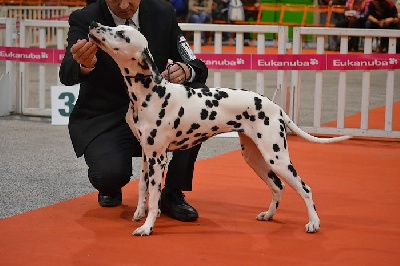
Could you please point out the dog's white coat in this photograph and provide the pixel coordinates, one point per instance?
(259, 122)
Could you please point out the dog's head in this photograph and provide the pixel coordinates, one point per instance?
(126, 45)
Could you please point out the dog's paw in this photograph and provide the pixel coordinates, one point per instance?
(139, 214)
(312, 227)
(143, 231)
(265, 216)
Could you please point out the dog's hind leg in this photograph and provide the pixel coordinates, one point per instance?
(256, 161)
(280, 163)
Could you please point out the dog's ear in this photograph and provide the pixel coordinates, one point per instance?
(150, 62)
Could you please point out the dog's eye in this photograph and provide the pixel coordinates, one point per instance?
(120, 34)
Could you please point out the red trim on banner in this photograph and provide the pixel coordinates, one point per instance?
(258, 62)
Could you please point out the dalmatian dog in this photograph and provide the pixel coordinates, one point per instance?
(167, 117)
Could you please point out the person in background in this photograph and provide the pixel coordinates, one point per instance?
(250, 12)
(382, 14)
(97, 125)
(220, 13)
(200, 12)
(333, 41)
(181, 9)
(355, 17)
(323, 16)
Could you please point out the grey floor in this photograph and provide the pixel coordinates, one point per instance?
(38, 166)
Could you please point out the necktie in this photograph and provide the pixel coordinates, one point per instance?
(130, 22)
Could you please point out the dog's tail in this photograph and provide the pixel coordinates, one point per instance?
(293, 127)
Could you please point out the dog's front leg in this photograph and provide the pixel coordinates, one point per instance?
(156, 167)
(143, 190)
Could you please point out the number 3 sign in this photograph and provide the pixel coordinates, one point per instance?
(63, 100)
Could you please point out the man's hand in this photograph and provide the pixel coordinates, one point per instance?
(178, 73)
(84, 53)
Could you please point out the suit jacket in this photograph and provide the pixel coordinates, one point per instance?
(103, 99)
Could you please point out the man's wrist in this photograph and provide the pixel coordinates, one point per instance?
(192, 73)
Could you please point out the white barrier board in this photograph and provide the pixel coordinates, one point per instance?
(63, 99)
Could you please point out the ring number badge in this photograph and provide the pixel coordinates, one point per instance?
(63, 99)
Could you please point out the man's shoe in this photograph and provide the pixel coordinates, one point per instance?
(109, 200)
(173, 205)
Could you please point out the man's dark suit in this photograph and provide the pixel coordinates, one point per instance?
(103, 100)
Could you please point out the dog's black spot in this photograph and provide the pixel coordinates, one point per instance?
(178, 133)
(165, 103)
(275, 179)
(206, 92)
(246, 115)
(261, 115)
(276, 148)
(148, 97)
(153, 133)
(214, 128)
(223, 94)
(161, 114)
(150, 140)
(238, 117)
(177, 122)
(160, 90)
(209, 103)
(259, 135)
(203, 114)
(234, 124)
(193, 127)
(277, 204)
(213, 115)
(182, 141)
(271, 161)
(190, 91)
(257, 102)
(291, 169)
(181, 112)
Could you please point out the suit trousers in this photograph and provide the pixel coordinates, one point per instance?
(109, 161)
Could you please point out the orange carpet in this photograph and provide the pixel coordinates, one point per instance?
(356, 191)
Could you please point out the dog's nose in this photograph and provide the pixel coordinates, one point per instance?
(93, 25)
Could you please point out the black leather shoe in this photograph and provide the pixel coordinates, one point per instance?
(109, 200)
(173, 205)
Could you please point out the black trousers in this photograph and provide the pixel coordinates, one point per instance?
(109, 161)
